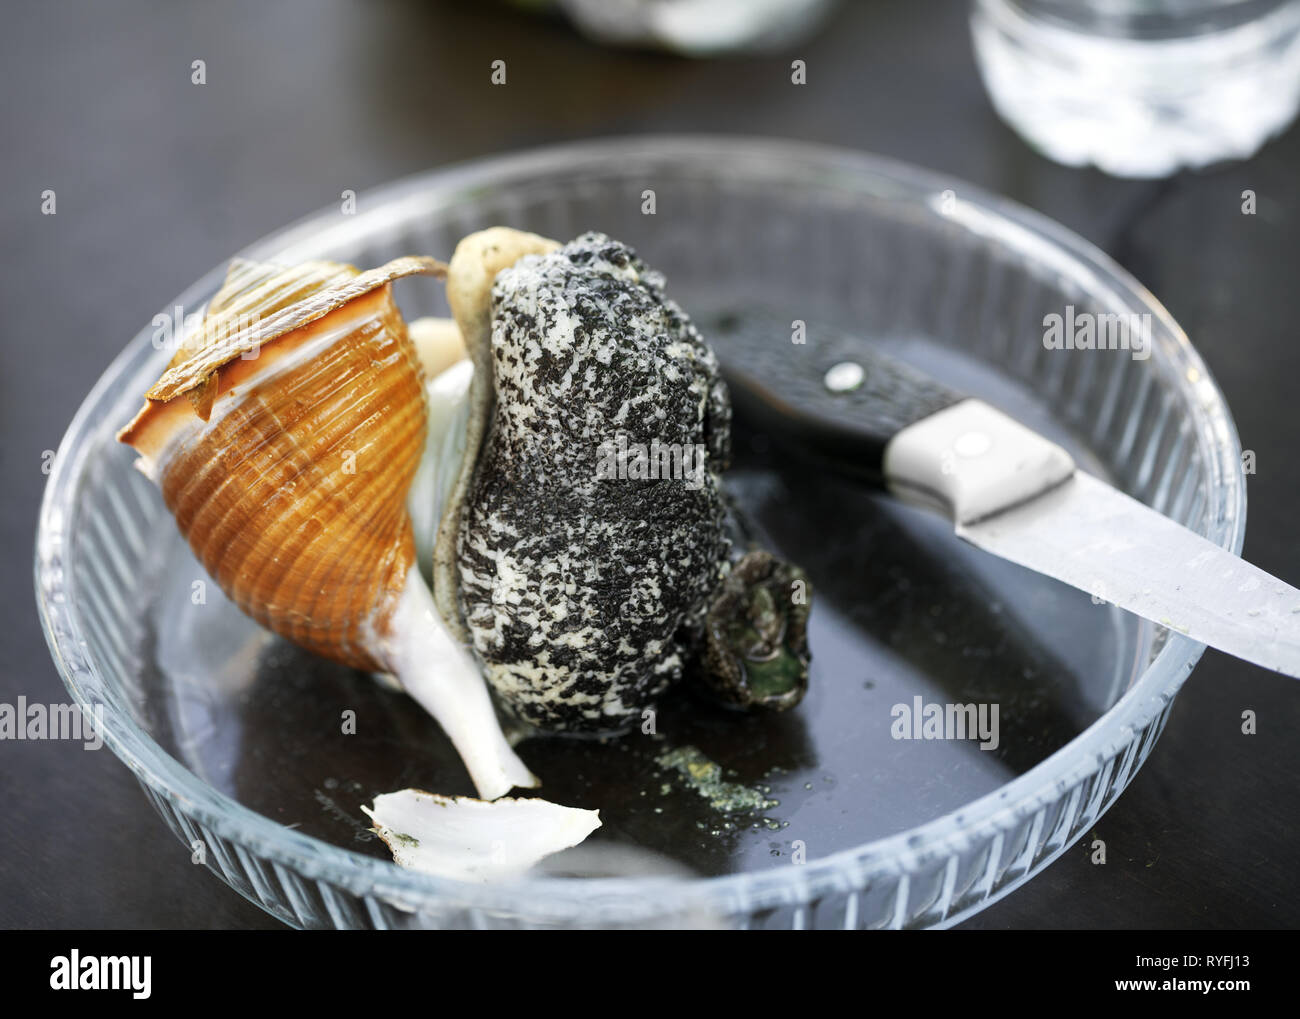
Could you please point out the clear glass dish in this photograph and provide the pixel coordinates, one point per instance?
(234, 734)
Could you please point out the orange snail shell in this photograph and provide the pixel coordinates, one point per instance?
(313, 461)
(284, 437)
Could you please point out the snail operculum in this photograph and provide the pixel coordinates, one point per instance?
(756, 635)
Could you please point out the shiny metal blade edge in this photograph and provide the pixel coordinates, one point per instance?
(1093, 537)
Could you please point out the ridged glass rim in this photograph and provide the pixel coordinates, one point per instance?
(625, 900)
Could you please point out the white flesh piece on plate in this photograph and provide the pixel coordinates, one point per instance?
(473, 840)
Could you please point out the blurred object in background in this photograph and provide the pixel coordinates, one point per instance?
(1141, 88)
(696, 28)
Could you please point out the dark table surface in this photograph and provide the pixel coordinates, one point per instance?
(157, 180)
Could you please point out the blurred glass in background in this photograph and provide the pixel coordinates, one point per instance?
(694, 28)
(1141, 88)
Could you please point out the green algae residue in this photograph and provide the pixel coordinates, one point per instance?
(705, 777)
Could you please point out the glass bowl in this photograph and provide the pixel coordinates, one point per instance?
(234, 734)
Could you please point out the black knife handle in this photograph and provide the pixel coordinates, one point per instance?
(847, 431)
(895, 428)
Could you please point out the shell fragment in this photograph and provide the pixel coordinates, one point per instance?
(474, 840)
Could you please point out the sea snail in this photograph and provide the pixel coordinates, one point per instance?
(560, 487)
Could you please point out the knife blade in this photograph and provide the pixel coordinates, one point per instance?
(1008, 490)
(1124, 552)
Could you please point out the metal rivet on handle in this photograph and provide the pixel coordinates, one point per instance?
(844, 377)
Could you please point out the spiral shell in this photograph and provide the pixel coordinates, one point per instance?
(284, 436)
(291, 493)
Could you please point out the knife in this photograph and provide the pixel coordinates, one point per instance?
(1008, 490)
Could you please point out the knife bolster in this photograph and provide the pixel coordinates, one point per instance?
(971, 461)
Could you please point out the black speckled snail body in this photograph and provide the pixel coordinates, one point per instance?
(590, 536)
